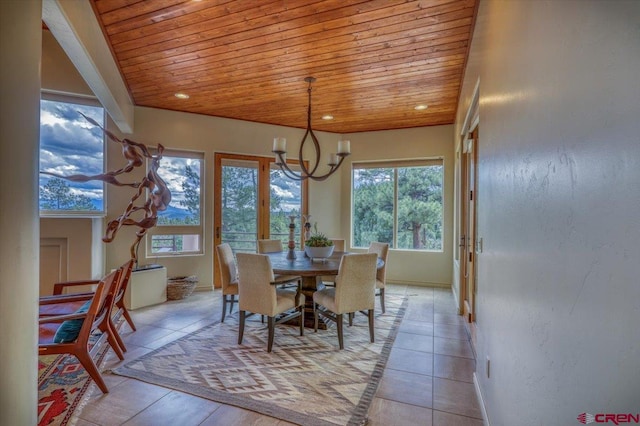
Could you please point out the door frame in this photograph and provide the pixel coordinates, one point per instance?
(467, 244)
(264, 199)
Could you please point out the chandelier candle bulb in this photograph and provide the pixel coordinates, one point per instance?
(333, 159)
(279, 145)
(344, 147)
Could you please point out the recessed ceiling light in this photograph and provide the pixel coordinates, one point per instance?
(181, 96)
(327, 117)
(420, 107)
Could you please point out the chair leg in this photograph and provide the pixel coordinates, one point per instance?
(301, 307)
(233, 300)
(114, 345)
(351, 314)
(382, 299)
(224, 307)
(371, 334)
(272, 326)
(90, 366)
(117, 335)
(126, 315)
(241, 327)
(339, 323)
(315, 318)
(112, 341)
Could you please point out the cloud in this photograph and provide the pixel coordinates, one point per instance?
(69, 145)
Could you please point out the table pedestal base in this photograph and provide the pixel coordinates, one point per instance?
(309, 286)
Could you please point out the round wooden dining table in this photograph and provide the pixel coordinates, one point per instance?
(311, 272)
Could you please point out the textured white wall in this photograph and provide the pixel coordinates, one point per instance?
(558, 208)
(20, 46)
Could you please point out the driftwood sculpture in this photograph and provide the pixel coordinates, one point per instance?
(159, 195)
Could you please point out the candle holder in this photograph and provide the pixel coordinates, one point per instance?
(307, 228)
(291, 255)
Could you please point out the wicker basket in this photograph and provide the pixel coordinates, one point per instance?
(181, 287)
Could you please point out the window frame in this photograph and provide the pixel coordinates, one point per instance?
(185, 229)
(395, 165)
(86, 100)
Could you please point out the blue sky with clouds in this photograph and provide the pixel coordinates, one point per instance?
(70, 145)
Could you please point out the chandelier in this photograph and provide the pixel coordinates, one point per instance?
(335, 160)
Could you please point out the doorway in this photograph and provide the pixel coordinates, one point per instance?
(466, 213)
(253, 200)
(469, 238)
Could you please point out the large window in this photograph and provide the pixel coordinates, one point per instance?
(180, 229)
(70, 145)
(399, 203)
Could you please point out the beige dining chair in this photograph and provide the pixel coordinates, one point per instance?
(275, 246)
(259, 295)
(228, 275)
(382, 250)
(338, 245)
(354, 291)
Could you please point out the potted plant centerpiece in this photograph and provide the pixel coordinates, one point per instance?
(318, 246)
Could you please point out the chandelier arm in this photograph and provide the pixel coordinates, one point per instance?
(305, 173)
(292, 175)
(287, 171)
(305, 170)
(329, 173)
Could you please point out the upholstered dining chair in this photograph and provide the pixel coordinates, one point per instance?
(354, 291)
(338, 245)
(228, 275)
(258, 295)
(275, 246)
(382, 250)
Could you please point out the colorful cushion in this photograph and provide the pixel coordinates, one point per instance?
(69, 330)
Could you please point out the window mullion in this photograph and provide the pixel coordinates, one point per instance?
(395, 209)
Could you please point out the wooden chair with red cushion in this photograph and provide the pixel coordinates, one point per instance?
(60, 304)
(71, 333)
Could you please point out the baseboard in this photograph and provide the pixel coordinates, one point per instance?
(455, 297)
(485, 418)
(419, 283)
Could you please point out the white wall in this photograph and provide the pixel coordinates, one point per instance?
(559, 196)
(58, 72)
(20, 46)
(405, 266)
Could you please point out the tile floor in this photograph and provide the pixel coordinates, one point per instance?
(428, 379)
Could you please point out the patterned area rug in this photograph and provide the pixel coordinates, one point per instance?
(62, 386)
(306, 379)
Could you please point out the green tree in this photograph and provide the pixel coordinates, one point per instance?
(239, 208)
(191, 189)
(57, 195)
(419, 207)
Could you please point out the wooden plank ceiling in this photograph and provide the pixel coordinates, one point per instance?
(374, 61)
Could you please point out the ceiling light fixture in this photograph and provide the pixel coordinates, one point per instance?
(327, 117)
(420, 107)
(181, 96)
(280, 150)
